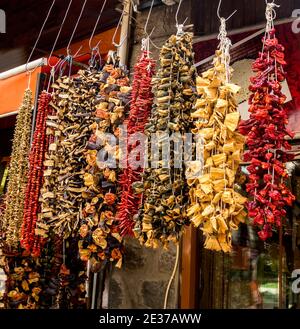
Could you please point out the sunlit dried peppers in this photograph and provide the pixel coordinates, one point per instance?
(29, 240)
(266, 140)
(162, 216)
(140, 108)
(215, 206)
(18, 172)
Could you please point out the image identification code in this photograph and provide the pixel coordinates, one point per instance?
(151, 318)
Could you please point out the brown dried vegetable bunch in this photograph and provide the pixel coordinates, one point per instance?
(69, 284)
(100, 238)
(215, 206)
(18, 172)
(24, 282)
(163, 214)
(62, 193)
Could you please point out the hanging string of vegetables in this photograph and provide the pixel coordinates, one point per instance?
(24, 285)
(215, 206)
(57, 211)
(140, 108)
(18, 173)
(162, 216)
(100, 239)
(266, 133)
(29, 241)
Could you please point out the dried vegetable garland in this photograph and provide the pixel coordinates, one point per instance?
(62, 191)
(266, 132)
(18, 172)
(24, 285)
(163, 216)
(69, 285)
(29, 240)
(140, 108)
(3, 260)
(100, 239)
(215, 206)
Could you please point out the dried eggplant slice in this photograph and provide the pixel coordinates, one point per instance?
(162, 218)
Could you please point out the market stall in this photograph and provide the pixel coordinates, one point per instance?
(171, 154)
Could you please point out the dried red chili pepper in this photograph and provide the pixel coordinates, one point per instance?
(140, 108)
(266, 131)
(30, 241)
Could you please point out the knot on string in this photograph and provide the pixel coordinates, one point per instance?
(224, 47)
(145, 44)
(270, 15)
(180, 30)
(222, 30)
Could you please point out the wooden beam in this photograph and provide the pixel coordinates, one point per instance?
(189, 269)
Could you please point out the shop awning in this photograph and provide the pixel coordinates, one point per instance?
(12, 90)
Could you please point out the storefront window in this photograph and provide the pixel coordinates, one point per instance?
(250, 276)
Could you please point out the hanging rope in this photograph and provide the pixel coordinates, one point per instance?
(35, 44)
(224, 46)
(270, 15)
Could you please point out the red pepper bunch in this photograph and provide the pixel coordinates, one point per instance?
(140, 108)
(30, 241)
(266, 131)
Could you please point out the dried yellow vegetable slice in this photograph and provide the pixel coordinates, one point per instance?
(217, 173)
(219, 158)
(208, 210)
(232, 120)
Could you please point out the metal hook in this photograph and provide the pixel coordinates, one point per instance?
(134, 6)
(75, 28)
(38, 38)
(95, 26)
(94, 54)
(58, 34)
(115, 33)
(69, 57)
(176, 15)
(218, 12)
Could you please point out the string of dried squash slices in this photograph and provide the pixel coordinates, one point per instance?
(214, 204)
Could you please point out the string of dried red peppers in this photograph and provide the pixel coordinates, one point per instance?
(266, 131)
(140, 108)
(29, 241)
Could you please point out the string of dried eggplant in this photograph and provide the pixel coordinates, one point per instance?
(62, 191)
(18, 172)
(100, 238)
(162, 216)
(215, 206)
(140, 108)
